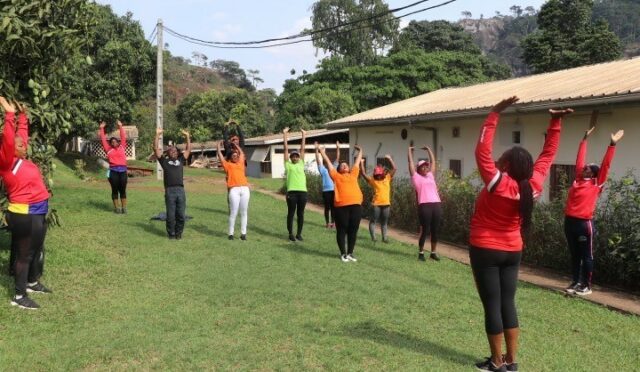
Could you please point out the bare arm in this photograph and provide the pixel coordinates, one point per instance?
(432, 160)
(363, 173)
(123, 134)
(303, 144)
(337, 152)
(187, 150)
(286, 145)
(358, 157)
(393, 170)
(318, 159)
(103, 136)
(326, 159)
(157, 150)
(412, 167)
(219, 152)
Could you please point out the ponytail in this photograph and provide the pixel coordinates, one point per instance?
(526, 204)
(521, 170)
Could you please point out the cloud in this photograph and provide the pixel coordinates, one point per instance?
(226, 32)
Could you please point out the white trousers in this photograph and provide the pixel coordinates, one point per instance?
(238, 201)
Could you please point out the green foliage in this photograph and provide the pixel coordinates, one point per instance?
(567, 37)
(623, 17)
(231, 71)
(434, 36)
(360, 43)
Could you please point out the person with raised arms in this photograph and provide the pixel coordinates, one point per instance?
(327, 187)
(238, 187)
(381, 203)
(296, 183)
(115, 150)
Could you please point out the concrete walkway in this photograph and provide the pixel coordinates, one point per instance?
(545, 278)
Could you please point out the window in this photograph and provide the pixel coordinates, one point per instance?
(515, 136)
(265, 167)
(455, 166)
(455, 132)
(560, 179)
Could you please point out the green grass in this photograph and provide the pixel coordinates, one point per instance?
(128, 298)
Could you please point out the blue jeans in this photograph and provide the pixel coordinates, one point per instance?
(176, 202)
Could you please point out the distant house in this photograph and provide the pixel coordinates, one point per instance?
(449, 119)
(265, 154)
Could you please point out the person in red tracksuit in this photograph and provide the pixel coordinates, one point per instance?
(28, 207)
(115, 150)
(581, 203)
(502, 214)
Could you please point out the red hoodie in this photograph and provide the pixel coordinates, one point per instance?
(116, 155)
(22, 178)
(496, 219)
(584, 192)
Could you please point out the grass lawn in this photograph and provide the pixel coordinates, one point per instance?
(126, 297)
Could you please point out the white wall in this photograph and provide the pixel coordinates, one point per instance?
(277, 160)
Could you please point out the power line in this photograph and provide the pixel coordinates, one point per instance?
(152, 34)
(244, 46)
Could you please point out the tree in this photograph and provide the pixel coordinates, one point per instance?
(567, 37)
(231, 71)
(361, 42)
(255, 79)
(624, 18)
(436, 36)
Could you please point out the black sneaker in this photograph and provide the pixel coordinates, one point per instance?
(243, 237)
(171, 236)
(434, 256)
(513, 367)
(487, 365)
(117, 210)
(38, 288)
(299, 237)
(582, 290)
(25, 303)
(178, 236)
(421, 257)
(230, 237)
(571, 289)
(123, 211)
(292, 238)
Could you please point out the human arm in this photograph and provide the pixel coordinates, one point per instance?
(123, 134)
(358, 161)
(103, 136)
(337, 152)
(22, 130)
(363, 173)
(551, 143)
(240, 152)
(285, 144)
(187, 151)
(219, 152)
(240, 135)
(326, 159)
(412, 167)
(582, 152)
(608, 157)
(157, 147)
(303, 144)
(8, 145)
(318, 158)
(432, 159)
(393, 170)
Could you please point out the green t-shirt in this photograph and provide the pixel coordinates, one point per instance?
(296, 178)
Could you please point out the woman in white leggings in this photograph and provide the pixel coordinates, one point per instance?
(238, 187)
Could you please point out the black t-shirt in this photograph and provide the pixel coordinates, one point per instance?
(173, 170)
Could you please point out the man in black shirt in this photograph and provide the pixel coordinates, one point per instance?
(175, 199)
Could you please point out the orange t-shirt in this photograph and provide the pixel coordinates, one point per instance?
(347, 191)
(235, 173)
(381, 190)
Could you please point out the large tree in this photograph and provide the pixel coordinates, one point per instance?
(624, 18)
(433, 36)
(359, 43)
(567, 37)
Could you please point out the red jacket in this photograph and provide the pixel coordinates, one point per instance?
(116, 155)
(584, 192)
(22, 178)
(496, 219)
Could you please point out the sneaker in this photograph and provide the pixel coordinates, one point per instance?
(344, 258)
(292, 238)
(117, 210)
(513, 367)
(178, 236)
(123, 211)
(421, 257)
(230, 237)
(38, 288)
(25, 303)
(487, 365)
(243, 237)
(299, 237)
(351, 258)
(571, 289)
(434, 256)
(582, 290)
(385, 240)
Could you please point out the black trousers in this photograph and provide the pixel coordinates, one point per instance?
(429, 215)
(176, 203)
(296, 202)
(329, 210)
(27, 248)
(580, 234)
(347, 225)
(496, 276)
(118, 181)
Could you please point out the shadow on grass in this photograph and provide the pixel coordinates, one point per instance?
(211, 210)
(271, 233)
(301, 249)
(102, 205)
(369, 330)
(153, 227)
(204, 229)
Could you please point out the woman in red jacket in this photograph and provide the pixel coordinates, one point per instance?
(115, 150)
(502, 213)
(581, 203)
(28, 206)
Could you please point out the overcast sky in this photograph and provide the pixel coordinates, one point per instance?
(245, 20)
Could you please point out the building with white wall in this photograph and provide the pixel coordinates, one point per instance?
(449, 119)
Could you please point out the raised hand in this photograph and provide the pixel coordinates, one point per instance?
(387, 156)
(587, 133)
(8, 107)
(285, 130)
(322, 150)
(102, 124)
(425, 148)
(185, 133)
(502, 105)
(316, 145)
(560, 113)
(411, 148)
(20, 106)
(119, 123)
(358, 147)
(617, 136)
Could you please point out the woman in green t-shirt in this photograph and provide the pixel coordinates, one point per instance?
(296, 181)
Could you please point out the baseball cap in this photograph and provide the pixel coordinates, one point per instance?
(423, 162)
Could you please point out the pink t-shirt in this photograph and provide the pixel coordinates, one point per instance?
(426, 188)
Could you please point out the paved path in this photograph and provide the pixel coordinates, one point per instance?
(545, 278)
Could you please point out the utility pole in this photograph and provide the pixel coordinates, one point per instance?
(159, 93)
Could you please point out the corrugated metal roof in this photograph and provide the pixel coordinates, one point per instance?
(291, 136)
(612, 79)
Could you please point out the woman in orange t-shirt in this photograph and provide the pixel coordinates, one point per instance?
(381, 203)
(347, 202)
(238, 187)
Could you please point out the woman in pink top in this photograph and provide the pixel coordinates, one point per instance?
(429, 208)
(115, 150)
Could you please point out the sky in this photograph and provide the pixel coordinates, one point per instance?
(245, 20)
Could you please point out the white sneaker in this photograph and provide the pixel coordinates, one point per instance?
(351, 258)
(344, 258)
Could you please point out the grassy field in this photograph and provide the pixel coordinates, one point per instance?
(126, 297)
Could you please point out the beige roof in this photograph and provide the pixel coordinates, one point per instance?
(613, 81)
(291, 136)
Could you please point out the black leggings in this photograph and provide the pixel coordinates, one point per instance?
(329, 210)
(429, 215)
(296, 200)
(580, 235)
(27, 248)
(496, 276)
(347, 225)
(118, 181)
